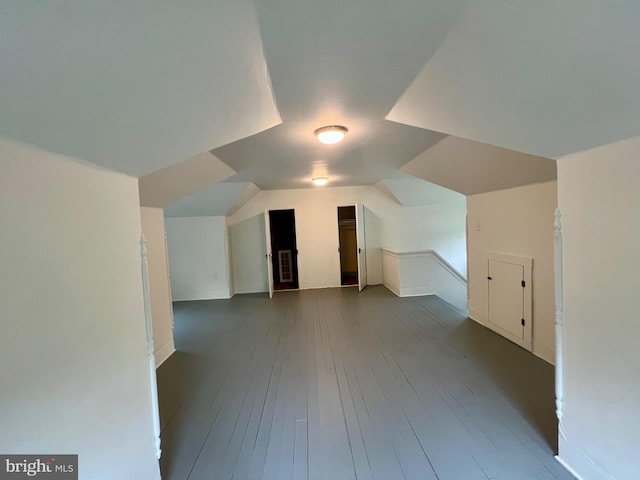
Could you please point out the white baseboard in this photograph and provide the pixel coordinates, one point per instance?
(244, 291)
(578, 464)
(200, 294)
(476, 318)
(164, 352)
(416, 291)
(476, 315)
(567, 467)
(460, 306)
(545, 353)
(393, 288)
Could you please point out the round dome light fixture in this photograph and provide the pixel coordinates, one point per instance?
(331, 133)
(320, 181)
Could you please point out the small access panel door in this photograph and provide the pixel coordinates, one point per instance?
(509, 312)
(269, 255)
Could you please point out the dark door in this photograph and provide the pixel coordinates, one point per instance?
(284, 249)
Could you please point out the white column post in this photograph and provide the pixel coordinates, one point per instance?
(559, 315)
(150, 349)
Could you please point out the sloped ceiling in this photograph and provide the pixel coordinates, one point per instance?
(283, 158)
(132, 86)
(334, 58)
(345, 68)
(412, 192)
(547, 77)
(382, 186)
(470, 167)
(434, 85)
(172, 183)
(218, 200)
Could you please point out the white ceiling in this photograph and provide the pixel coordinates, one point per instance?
(345, 68)
(413, 192)
(472, 167)
(288, 156)
(546, 77)
(132, 86)
(457, 87)
(180, 180)
(220, 199)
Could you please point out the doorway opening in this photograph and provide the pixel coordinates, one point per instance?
(347, 232)
(284, 249)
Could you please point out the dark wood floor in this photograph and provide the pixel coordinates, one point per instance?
(336, 384)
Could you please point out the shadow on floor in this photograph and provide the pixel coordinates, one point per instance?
(526, 379)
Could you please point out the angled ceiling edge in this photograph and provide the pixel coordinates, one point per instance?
(413, 192)
(213, 201)
(251, 191)
(563, 83)
(204, 81)
(170, 184)
(381, 186)
(470, 167)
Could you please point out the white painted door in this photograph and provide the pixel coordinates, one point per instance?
(362, 247)
(506, 300)
(269, 255)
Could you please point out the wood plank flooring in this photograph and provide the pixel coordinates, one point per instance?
(335, 384)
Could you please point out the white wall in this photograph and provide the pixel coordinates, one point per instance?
(159, 289)
(599, 198)
(423, 272)
(517, 221)
(197, 258)
(248, 255)
(75, 375)
(438, 227)
(387, 224)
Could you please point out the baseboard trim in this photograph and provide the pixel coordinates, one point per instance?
(392, 288)
(567, 467)
(204, 294)
(461, 309)
(416, 291)
(473, 317)
(161, 354)
(545, 353)
(475, 314)
(574, 460)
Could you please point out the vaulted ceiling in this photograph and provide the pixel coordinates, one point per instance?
(473, 95)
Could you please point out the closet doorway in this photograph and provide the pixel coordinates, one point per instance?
(347, 233)
(352, 246)
(284, 250)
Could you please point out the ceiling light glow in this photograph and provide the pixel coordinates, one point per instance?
(331, 133)
(320, 180)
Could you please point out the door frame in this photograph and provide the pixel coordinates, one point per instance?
(361, 241)
(269, 248)
(269, 255)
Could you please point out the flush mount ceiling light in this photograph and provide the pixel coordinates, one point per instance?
(320, 180)
(331, 133)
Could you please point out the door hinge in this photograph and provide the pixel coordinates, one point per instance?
(523, 285)
(522, 322)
